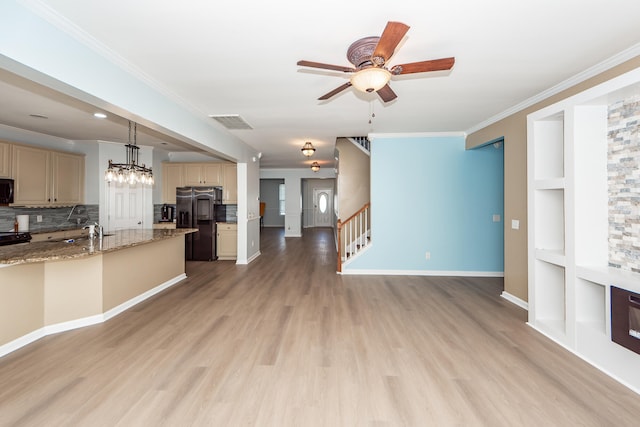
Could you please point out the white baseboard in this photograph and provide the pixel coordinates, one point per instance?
(73, 324)
(85, 321)
(515, 300)
(21, 341)
(253, 257)
(146, 295)
(424, 273)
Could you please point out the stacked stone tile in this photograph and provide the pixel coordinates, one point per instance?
(623, 168)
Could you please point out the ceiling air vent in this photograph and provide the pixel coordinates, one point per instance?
(231, 121)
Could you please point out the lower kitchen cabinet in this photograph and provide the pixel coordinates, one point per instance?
(227, 241)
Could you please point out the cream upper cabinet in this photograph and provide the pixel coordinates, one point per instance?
(200, 174)
(230, 183)
(5, 160)
(192, 174)
(67, 184)
(211, 174)
(47, 178)
(172, 178)
(31, 172)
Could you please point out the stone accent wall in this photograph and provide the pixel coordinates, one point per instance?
(624, 184)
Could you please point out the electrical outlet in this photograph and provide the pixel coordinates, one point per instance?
(496, 217)
(39, 218)
(427, 256)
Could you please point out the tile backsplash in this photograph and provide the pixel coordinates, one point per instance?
(69, 217)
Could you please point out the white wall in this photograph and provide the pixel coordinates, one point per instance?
(293, 194)
(248, 211)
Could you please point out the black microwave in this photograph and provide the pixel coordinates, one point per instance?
(6, 191)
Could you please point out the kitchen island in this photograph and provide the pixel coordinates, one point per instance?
(53, 286)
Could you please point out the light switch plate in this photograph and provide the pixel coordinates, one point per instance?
(496, 217)
(515, 224)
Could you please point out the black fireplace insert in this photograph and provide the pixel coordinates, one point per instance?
(625, 318)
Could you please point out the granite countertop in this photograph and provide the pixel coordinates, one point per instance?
(58, 250)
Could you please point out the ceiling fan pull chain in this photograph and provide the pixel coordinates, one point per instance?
(372, 114)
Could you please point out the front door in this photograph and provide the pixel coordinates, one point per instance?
(322, 207)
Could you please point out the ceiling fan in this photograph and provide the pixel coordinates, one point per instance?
(369, 56)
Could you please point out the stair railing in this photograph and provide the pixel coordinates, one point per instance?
(353, 235)
(362, 142)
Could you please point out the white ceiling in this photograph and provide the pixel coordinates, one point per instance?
(240, 58)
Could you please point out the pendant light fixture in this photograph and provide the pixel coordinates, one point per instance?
(308, 149)
(130, 172)
(315, 166)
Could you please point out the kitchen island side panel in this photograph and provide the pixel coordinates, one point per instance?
(72, 290)
(130, 272)
(21, 300)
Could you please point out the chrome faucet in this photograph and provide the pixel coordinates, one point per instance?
(92, 229)
(100, 230)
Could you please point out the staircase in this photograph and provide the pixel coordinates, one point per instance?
(361, 142)
(354, 235)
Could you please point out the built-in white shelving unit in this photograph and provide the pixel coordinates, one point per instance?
(569, 276)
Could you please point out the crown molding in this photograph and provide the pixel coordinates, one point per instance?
(417, 135)
(599, 68)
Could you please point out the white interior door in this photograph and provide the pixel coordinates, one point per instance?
(322, 207)
(126, 206)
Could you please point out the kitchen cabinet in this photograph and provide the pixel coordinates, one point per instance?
(67, 185)
(223, 175)
(199, 174)
(227, 241)
(172, 178)
(47, 178)
(229, 183)
(5, 160)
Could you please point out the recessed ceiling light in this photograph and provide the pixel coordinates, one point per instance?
(100, 115)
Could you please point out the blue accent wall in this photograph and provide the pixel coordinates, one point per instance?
(430, 194)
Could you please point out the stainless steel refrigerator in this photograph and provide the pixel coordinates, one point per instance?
(196, 208)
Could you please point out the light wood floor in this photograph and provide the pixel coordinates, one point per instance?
(285, 341)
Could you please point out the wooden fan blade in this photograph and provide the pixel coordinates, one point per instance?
(326, 66)
(423, 66)
(335, 91)
(391, 36)
(387, 94)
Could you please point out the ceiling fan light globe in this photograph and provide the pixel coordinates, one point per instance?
(370, 79)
